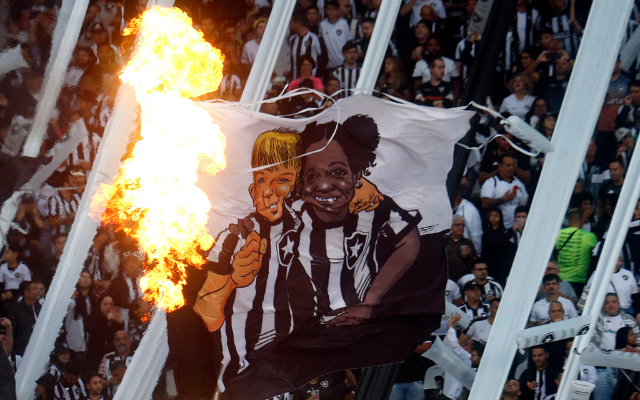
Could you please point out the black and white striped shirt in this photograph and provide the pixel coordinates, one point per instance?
(74, 392)
(348, 78)
(563, 31)
(307, 44)
(86, 150)
(109, 358)
(58, 207)
(481, 311)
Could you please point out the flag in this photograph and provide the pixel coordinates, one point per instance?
(329, 249)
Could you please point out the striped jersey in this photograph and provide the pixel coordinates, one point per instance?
(73, 392)
(348, 78)
(58, 207)
(563, 30)
(108, 359)
(308, 44)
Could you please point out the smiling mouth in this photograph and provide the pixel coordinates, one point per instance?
(273, 208)
(327, 200)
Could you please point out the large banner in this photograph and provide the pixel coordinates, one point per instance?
(329, 240)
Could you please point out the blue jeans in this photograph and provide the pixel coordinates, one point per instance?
(606, 383)
(407, 391)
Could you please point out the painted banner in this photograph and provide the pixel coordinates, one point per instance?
(329, 240)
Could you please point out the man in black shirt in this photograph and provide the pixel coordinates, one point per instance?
(554, 87)
(539, 381)
(435, 92)
(23, 316)
(613, 185)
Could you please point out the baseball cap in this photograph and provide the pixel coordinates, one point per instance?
(470, 285)
(47, 380)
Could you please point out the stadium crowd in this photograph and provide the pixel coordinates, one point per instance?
(427, 62)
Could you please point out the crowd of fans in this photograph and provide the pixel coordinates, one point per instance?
(427, 62)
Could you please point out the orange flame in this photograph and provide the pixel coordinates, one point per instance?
(154, 197)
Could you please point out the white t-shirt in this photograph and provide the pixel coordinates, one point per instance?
(422, 70)
(473, 223)
(479, 331)
(611, 327)
(540, 311)
(12, 278)
(335, 36)
(623, 283)
(452, 291)
(495, 187)
(249, 52)
(513, 106)
(437, 5)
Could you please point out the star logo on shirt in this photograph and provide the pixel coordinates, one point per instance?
(285, 249)
(354, 247)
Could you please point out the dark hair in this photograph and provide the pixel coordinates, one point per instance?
(313, 6)
(331, 3)
(550, 277)
(635, 83)
(306, 57)
(369, 20)
(500, 223)
(502, 157)
(611, 294)
(520, 209)
(431, 60)
(617, 160)
(306, 83)
(423, 22)
(478, 348)
(15, 244)
(358, 136)
(299, 17)
(348, 46)
(116, 365)
(578, 198)
(540, 347)
(94, 373)
(622, 340)
(73, 367)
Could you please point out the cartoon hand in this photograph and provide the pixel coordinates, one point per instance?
(367, 197)
(352, 315)
(212, 298)
(247, 261)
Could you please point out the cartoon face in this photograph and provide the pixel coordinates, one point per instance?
(328, 182)
(270, 188)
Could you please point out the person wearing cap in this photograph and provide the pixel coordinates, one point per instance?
(540, 311)
(251, 47)
(473, 305)
(45, 386)
(59, 360)
(480, 328)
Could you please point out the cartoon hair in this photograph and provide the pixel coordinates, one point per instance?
(358, 136)
(277, 146)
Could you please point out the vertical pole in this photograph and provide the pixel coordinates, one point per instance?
(260, 75)
(606, 265)
(577, 119)
(61, 52)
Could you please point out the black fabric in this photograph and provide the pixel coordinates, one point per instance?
(22, 319)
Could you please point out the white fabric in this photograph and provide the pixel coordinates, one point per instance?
(12, 278)
(611, 327)
(438, 7)
(76, 338)
(514, 106)
(479, 331)
(249, 52)
(335, 35)
(540, 311)
(473, 223)
(623, 283)
(421, 70)
(495, 188)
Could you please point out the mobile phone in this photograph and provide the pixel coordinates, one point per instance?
(515, 189)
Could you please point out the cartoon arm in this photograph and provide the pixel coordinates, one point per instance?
(218, 287)
(398, 263)
(367, 197)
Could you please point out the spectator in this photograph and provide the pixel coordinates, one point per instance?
(332, 86)
(118, 368)
(6, 344)
(126, 286)
(554, 87)
(303, 42)
(335, 34)
(511, 390)
(313, 19)
(480, 328)
(465, 53)
(45, 386)
(604, 338)
(12, 272)
(631, 247)
(251, 47)
(363, 42)
(94, 387)
(230, 85)
(422, 73)
(306, 66)
(613, 185)
(564, 27)
(473, 305)
(523, 31)
(83, 58)
(473, 222)
(556, 312)
(123, 352)
(489, 288)
(435, 92)
(520, 216)
(347, 11)
(499, 246)
(59, 240)
(520, 101)
(102, 326)
(348, 73)
(392, 81)
(415, 7)
(592, 171)
(140, 318)
(491, 160)
(540, 311)
(59, 360)
(564, 288)
(460, 251)
(207, 27)
(95, 265)
(80, 308)
(573, 248)
(62, 207)
(504, 190)
(70, 387)
(630, 106)
(23, 316)
(538, 381)
(539, 109)
(462, 348)
(623, 283)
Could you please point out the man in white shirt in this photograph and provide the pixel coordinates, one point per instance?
(335, 33)
(540, 311)
(470, 353)
(251, 47)
(421, 73)
(472, 219)
(12, 272)
(415, 6)
(623, 283)
(504, 190)
(480, 329)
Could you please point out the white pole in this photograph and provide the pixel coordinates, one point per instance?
(380, 37)
(64, 17)
(260, 75)
(57, 68)
(576, 122)
(616, 236)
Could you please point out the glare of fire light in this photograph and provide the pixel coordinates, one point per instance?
(154, 197)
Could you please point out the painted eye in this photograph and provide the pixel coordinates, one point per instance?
(339, 172)
(260, 180)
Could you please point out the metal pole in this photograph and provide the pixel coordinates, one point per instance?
(606, 265)
(377, 49)
(57, 69)
(578, 117)
(479, 82)
(260, 75)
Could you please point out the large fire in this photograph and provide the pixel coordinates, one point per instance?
(154, 197)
